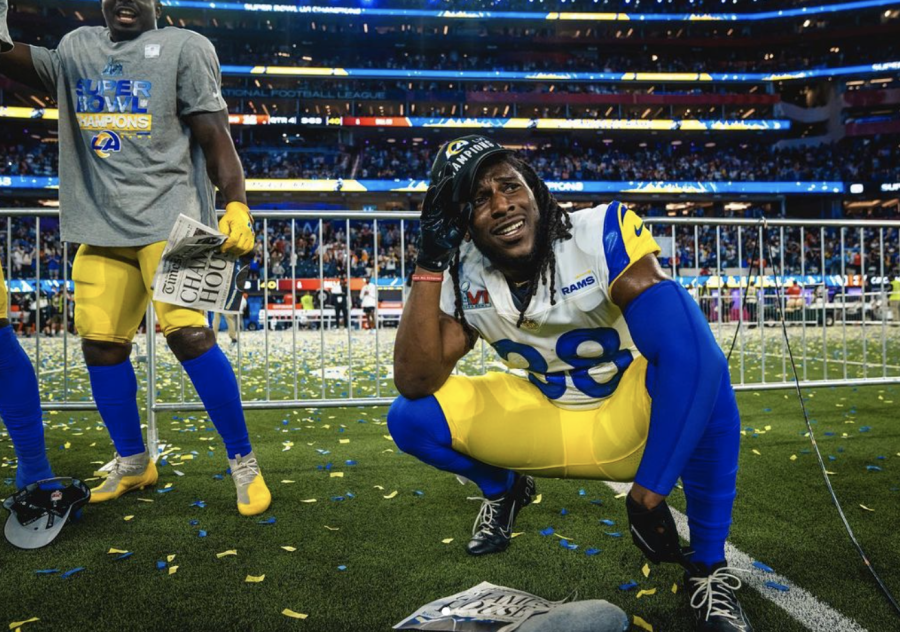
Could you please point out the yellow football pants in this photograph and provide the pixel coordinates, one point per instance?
(3, 295)
(504, 420)
(112, 289)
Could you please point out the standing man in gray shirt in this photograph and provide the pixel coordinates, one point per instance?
(144, 136)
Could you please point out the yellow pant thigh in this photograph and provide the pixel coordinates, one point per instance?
(110, 296)
(171, 317)
(3, 295)
(505, 421)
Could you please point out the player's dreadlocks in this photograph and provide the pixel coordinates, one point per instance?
(554, 225)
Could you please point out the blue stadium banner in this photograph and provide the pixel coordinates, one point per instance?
(581, 16)
(339, 185)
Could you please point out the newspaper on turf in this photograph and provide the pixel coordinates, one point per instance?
(194, 272)
(482, 608)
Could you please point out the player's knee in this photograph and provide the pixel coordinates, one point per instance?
(191, 342)
(415, 423)
(103, 353)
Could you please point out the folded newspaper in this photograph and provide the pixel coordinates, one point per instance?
(194, 272)
(482, 608)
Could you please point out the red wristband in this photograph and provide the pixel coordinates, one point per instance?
(432, 278)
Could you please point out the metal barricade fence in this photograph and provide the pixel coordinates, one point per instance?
(841, 327)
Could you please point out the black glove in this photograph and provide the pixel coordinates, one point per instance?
(654, 533)
(442, 227)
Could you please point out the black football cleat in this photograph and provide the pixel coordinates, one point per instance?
(494, 524)
(712, 599)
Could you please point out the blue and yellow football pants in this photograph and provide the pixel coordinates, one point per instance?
(112, 289)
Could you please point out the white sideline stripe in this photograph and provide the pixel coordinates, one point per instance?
(798, 603)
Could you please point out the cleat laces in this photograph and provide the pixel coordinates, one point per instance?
(487, 516)
(245, 471)
(715, 592)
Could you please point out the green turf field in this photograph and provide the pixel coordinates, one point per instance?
(362, 558)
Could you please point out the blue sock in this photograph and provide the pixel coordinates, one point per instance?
(710, 479)
(419, 427)
(217, 387)
(20, 408)
(115, 391)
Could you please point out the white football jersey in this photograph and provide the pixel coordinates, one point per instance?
(576, 350)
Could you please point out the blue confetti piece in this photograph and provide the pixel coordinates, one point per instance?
(880, 458)
(581, 492)
(597, 502)
(194, 523)
(349, 462)
(267, 521)
(342, 567)
(767, 410)
(591, 551)
(608, 522)
(340, 430)
(873, 468)
(350, 495)
(629, 586)
(201, 533)
(165, 491)
(613, 534)
(832, 458)
(217, 477)
(162, 463)
(548, 531)
(568, 545)
(322, 452)
(865, 428)
(337, 498)
(829, 434)
(284, 422)
(763, 567)
(123, 556)
(777, 586)
(46, 571)
(199, 503)
(68, 574)
(419, 493)
(564, 512)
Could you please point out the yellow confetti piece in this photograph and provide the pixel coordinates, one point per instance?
(289, 549)
(127, 518)
(168, 486)
(170, 558)
(332, 528)
(115, 552)
(646, 570)
(391, 495)
(640, 623)
(866, 508)
(537, 499)
(381, 487)
(293, 615)
(768, 427)
(228, 552)
(446, 540)
(144, 500)
(388, 450)
(756, 452)
(517, 534)
(254, 579)
(830, 473)
(793, 457)
(344, 441)
(67, 445)
(622, 495)
(187, 457)
(309, 500)
(562, 537)
(286, 482)
(19, 624)
(674, 589)
(173, 570)
(337, 475)
(645, 593)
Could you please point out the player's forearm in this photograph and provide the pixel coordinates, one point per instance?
(419, 366)
(227, 174)
(687, 369)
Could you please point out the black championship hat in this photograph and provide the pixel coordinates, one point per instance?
(460, 159)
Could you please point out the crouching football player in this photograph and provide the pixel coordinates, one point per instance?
(624, 378)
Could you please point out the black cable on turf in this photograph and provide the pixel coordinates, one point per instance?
(812, 438)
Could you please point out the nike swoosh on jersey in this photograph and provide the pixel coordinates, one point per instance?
(638, 230)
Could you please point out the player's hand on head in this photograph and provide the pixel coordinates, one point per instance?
(442, 228)
(238, 225)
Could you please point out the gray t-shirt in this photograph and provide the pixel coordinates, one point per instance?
(128, 164)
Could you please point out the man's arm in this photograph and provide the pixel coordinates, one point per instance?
(429, 343)
(222, 163)
(669, 330)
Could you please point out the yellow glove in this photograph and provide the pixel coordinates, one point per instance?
(238, 225)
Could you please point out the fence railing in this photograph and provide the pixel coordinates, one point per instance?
(831, 279)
